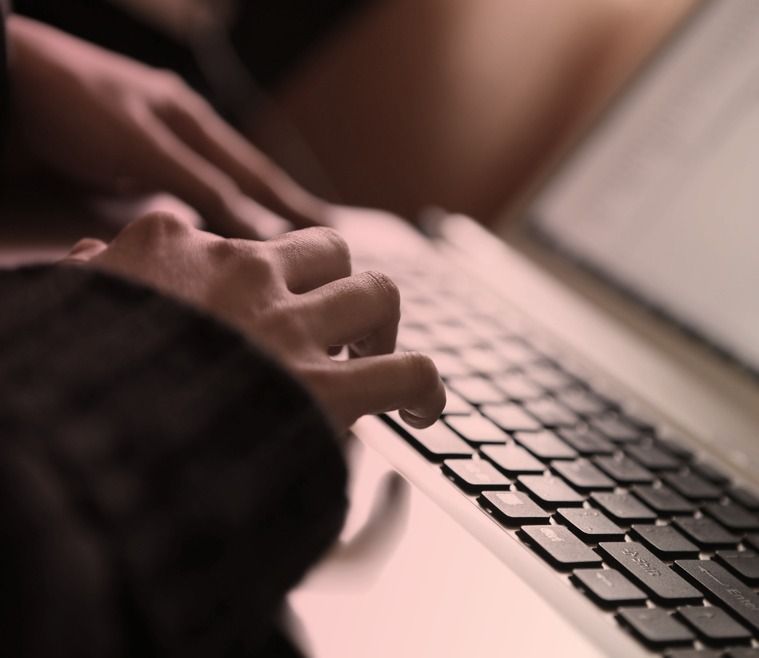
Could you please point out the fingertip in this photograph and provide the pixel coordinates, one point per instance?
(416, 421)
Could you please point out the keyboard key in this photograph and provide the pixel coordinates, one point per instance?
(474, 474)
(713, 625)
(723, 588)
(477, 429)
(550, 491)
(582, 475)
(476, 390)
(732, 516)
(693, 653)
(550, 377)
(752, 540)
(706, 532)
(623, 469)
(608, 587)
(617, 430)
(483, 360)
(589, 524)
(623, 507)
(436, 442)
(745, 497)
(653, 458)
(742, 652)
(744, 564)
(586, 441)
(456, 405)
(675, 447)
(511, 417)
(692, 486)
(650, 573)
(551, 413)
(560, 547)
(655, 627)
(513, 508)
(545, 445)
(513, 460)
(518, 387)
(583, 402)
(663, 500)
(665, 541)
(517, 354)
(711, 473)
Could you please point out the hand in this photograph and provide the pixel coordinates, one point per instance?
(293, 295)
(103, 119)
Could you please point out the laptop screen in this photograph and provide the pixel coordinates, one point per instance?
(663, 199)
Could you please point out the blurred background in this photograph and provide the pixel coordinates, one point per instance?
(398, 104)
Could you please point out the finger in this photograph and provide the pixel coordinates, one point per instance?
(85, 250)
(312, 257)
(406, 380)
(171, 164)
(361, 311)
(198, 125)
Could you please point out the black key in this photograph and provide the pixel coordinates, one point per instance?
(745, 497)
(476, 390)
(744, 564)
(608, 587)
(583, 402)
(436, 443)
(550, 491)
(623, 507)
(512, 508)
(650, 573)
(456, 405)
(587, 441)
(474, 474)
(706, 532)
(511, 417)
(617, 430)
(723, 588)
(713, 625)
(560, 547)
(623, 469)
(513, 460)
(589, 524)
(477, 429)
(732, 516)
(518, 387)
(652, 457)
(582, 475)
(710, 472)
(666, 542)
(545, 445)
(663, 500)
(550, 377)
(692, 486)
(656, 627)
(677, 449)
(752, 540)
(551, 413)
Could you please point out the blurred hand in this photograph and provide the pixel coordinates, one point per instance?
(104, 119)
(293, 295)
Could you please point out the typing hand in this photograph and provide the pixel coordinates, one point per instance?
(100, 118)
(293, 295)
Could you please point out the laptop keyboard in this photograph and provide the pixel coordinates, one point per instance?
(661, 542)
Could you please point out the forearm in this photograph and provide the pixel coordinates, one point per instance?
(200, 476)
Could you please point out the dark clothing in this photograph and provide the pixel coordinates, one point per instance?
(163, 484)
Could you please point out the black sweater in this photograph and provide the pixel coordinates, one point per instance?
(162, 482)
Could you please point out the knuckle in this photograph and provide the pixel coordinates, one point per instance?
(155, 227)
(335, 240)
(248, 258)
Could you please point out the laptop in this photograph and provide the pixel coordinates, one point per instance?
(592, 487)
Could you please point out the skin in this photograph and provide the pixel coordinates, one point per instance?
(295, 296)
(118, 125)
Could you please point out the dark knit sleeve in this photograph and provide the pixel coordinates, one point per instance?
(162, 483)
